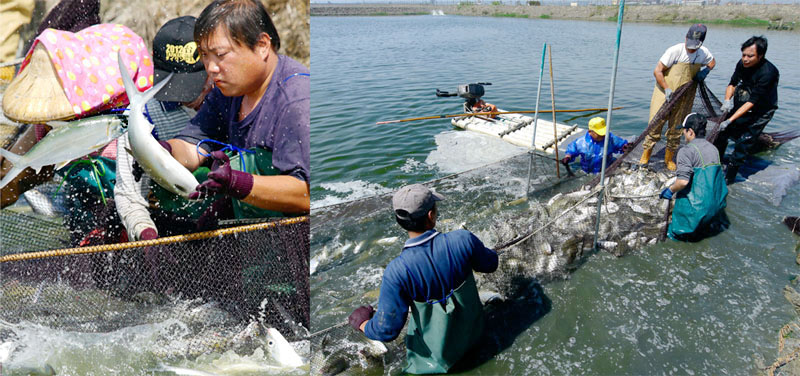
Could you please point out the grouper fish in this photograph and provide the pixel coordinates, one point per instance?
(156, 161)
(66, 142)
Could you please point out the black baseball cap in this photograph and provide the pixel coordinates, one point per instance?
(695, 122)
(175, 51)
(695, 36)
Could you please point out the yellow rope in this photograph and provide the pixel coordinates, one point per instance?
(149, 243)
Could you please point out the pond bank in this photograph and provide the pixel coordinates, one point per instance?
(739, 15)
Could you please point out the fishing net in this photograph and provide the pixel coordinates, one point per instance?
(539, 238)
(208, 285)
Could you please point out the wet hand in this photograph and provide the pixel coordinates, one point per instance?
(360, 315)
(224, 179)
(666, 194)
(627, 147)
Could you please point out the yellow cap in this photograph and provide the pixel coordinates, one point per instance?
(598, 125)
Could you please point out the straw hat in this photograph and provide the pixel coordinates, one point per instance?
(36, 95)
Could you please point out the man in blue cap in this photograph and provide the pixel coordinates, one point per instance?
(433, 276)
(699, 189)
(679, 64)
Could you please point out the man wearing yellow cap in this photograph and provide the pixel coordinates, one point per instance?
(679, 64)
(590, 147)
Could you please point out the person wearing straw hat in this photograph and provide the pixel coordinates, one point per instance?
(699, 190)
(678, 65)
(433, 275)
(258, 111)
(174, 52)
(590, 147)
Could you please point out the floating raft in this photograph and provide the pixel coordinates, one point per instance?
(518, 130)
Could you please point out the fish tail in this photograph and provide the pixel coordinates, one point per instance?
(135, 97)
(13, 158)
(10, 176)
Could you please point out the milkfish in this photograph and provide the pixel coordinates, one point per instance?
(281, 350)
(66, 142)
(156, 161)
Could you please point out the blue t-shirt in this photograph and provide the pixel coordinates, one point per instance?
(428, 269)
(280, 123)
(591, 151)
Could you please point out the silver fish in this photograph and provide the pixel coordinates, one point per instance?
(156, 161)
(281, 350)
(66, 142)
(40, 203)
(183, 371)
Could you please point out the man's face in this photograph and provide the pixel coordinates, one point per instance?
(688, 134)
(750, 57)
(689, 50)
(231, 66)
(596, 137)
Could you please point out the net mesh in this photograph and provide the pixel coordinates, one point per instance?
(216, 284)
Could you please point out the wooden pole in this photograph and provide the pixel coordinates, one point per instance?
(553, 107)
(487, 113)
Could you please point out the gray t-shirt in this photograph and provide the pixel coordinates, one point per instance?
(689, 157)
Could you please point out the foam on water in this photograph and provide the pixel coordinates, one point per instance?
(458, 151)
(348, 191)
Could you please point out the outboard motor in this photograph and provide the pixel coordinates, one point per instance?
(470, 92)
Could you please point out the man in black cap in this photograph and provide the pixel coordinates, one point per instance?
(679, 64)
(174, 51)
(699, 210)
(751, 99)
(433, 276)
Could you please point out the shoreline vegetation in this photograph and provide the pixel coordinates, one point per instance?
(745, 15)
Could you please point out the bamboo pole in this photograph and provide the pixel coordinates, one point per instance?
(492, 113)
(535, 121)
(553, 107)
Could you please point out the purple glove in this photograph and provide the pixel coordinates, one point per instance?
(136, 169)
(223, 179)
(360, 315)
(148, 234)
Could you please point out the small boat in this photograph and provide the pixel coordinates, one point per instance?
(518, 130)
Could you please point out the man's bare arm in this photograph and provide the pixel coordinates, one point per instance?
(282, 193)
(186, 154)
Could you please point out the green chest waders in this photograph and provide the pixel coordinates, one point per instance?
(258, 163)
(704, 202)
(439, 333)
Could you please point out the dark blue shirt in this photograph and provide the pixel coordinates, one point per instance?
(591, 151)
(429, 268)
(280, 123)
